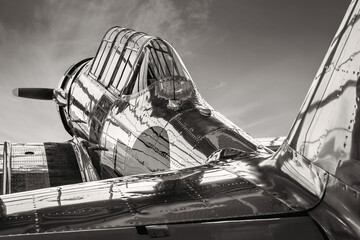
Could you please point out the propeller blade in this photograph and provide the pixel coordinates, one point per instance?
(34, 93)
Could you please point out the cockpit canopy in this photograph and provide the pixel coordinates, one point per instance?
(128, 62)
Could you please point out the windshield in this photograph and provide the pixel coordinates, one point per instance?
(164, 62)
(158, 63)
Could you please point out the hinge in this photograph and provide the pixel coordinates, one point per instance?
(153, 231)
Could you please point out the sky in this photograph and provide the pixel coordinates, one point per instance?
(252, 60)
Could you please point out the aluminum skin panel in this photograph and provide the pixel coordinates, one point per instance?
(271, 228)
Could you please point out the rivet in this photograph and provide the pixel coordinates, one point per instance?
(325, 176)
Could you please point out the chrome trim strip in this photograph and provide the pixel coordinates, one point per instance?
(87, 170)
(79, 159)
(7, 168)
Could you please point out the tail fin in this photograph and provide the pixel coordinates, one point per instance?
(327, 129)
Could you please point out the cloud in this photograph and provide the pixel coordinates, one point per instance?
(221, 85)
(199, 11)
(177, 25)
(75, 22)
(158, 17)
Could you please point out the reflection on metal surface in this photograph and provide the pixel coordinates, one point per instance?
(267, 228)
(330, 115)
(137, 100)
(273, 143)
(236, 185)
(286, 175)
(326, 131)
(59, 97)
(338, 213)
(199, 194)
(87, 170)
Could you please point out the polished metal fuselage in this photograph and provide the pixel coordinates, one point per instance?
(141, 133)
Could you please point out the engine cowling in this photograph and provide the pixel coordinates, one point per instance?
(65, 84)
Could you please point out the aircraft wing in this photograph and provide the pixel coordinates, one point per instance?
(251, 195)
